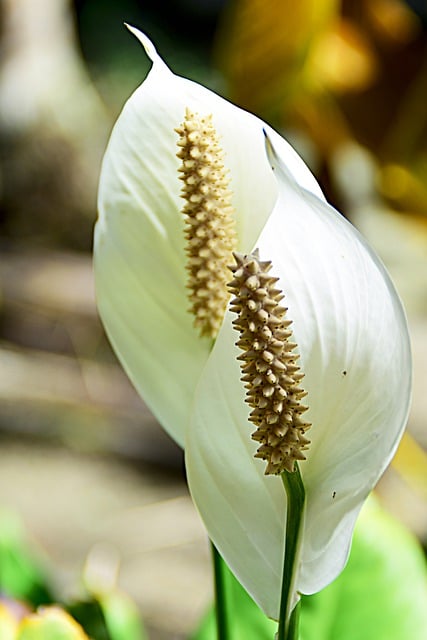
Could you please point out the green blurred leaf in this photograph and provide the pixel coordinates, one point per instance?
(381, 594)
(109, 616)
(50, 624)
(21, 576)
(245, 618)
(90, 615)
(122, 617)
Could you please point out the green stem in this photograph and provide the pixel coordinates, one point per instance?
(219, 570)
(288, 622)
(293, 622)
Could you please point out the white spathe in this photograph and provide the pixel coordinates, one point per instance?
(139, 243)
(347, 321)
(354, 349)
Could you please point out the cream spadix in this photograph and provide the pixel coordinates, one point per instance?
(139, 237)
(271, 374)
(354, 352)
(209, 218)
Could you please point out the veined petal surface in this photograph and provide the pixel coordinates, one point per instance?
(139, 242)
(354, 349)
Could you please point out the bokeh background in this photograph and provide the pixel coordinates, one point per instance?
(93, 478)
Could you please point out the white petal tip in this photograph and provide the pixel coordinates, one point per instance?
(272, 155)
(277, 161)
(149, 47)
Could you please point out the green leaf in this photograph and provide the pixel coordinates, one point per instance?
(381, 594)
(21, 576)
(109, 616)
(90, 615)
(246, 620)
(121, 617)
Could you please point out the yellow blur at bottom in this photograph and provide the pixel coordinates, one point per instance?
(49, 623)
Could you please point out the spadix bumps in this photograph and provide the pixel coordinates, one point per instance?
(346, 317)
(209, 220)
(269, 365)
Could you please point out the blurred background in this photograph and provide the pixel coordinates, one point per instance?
(82, 461)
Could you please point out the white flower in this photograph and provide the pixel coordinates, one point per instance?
(139, 239)
(347, 319)
(354, 349)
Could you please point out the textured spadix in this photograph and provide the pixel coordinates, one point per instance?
(209, 221)
(269, 364)
(139, 238)
(354, 351)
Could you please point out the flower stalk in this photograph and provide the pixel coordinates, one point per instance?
(295, 493)
(221, 614)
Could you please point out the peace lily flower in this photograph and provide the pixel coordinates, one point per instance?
(139, 249)
(349, 330)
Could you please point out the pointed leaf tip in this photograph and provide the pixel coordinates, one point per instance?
(268, 145)
(149, 47)
(272, 155)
